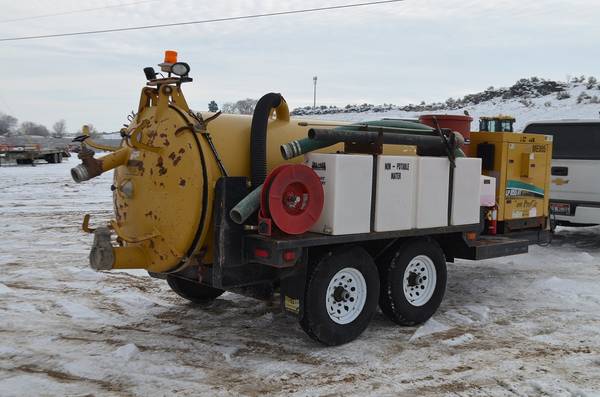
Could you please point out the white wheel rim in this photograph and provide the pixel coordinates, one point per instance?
(419, 280)
(346, 295)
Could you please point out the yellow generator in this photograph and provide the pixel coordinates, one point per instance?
(521, 165)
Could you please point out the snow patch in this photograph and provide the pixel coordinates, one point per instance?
(459, 340)
(567, 287)
(78, 311)
(126, 352)
(430, 327)
(24, 307)
(482, 312)
(458, 318)
(4, 289)
(584, 257)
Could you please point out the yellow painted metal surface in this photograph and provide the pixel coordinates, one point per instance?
(163, 196)
(522, 165)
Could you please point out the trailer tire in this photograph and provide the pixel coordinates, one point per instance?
(59, 158)
(413, 281)
(194, 292)
(337, 314)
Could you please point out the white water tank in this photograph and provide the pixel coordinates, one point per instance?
(347, 183)
(396, 191)
(466, 192)
(433, 180)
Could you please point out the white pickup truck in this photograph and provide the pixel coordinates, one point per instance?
(575, 189)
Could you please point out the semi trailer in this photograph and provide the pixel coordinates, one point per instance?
(367, 215)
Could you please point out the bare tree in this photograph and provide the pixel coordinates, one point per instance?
(243, 106)
(246, 106)
(228, 107)
(31, 128)
(59, 129)
(7, 124)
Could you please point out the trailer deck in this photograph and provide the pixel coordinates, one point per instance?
(29, 153)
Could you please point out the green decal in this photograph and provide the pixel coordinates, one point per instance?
(518, 188)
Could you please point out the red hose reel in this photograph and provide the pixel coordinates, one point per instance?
(292, 198)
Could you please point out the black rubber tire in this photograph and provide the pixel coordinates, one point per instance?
(59, 158)
(392, 266)
(194, 292)
(315, 320)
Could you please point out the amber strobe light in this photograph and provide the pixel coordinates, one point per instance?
(170, 56)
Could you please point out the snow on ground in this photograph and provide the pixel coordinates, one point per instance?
(527, 325)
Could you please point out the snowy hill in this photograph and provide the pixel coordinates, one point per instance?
(527, 100)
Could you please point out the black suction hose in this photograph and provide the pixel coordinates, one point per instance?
(258, 136)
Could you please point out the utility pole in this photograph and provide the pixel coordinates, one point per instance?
(315, 92)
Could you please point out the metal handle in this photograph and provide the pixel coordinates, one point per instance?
(560, 171)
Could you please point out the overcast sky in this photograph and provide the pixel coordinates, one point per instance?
(395, 53)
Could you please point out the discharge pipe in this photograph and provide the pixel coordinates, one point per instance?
(91, 167)
(246, 207)
(427, 145)
(299, 147)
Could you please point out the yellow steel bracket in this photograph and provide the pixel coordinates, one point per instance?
(131, 240)
(178, 99)
(135, 143)
(85, 226)
(133, 132)
(86, 131)
(148, 97)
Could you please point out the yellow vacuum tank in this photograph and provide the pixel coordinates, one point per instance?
(166, 170)
(165, 173)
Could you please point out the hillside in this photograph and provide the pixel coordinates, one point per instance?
(527, 100)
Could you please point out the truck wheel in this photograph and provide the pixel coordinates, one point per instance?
(413, 281)
(340, 296)
(59, 158)
(194, 292)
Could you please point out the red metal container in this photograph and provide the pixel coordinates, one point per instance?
(454, 122)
